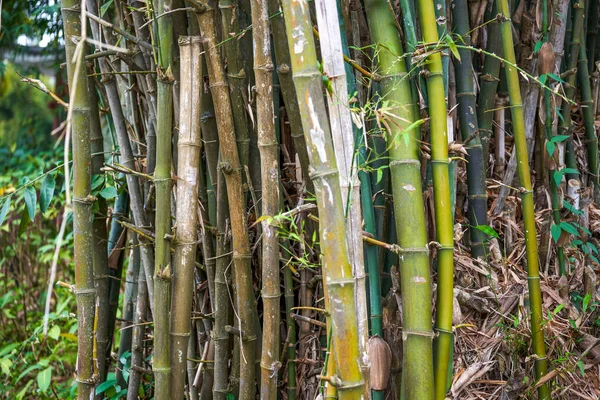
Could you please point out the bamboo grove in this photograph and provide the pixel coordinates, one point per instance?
(308, 193)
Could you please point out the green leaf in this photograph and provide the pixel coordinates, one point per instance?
(488, 230)
(109, 192)
(97, 181)
(555, 231)
(119, 394)
(4, 210)
(556, 78)
(452, 47)
(47, 192)
(104, 386)
(570, 171)
(581, 367)
(25, 221)
(586, 302)
(43, 379)
(230, 396)
(557, 176)
(558, 308)
(5, 365)
(538, 46)
(543, 79)
(570, 207)
(379, 175)
(567, 227)
(30, 200)
(550, 148)
(559, 138)
(54, 332)
(104, 7)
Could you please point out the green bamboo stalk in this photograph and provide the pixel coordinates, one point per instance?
(217, 204)
(231, 167)
(236, 77)
(587, 109)
(548, 128)
(222, 308)
(82, 197)
(269, 156)
(441, 189)
(336, 267)
(573, 33)
(127, 159)
(488, 83)
(535, 295)
(100, 237)
(189, 145)
(129, 305)
(592, 32)
(405, 168)
(139, 333)
(466, 99)
(288, 92)
(371, 254)
(291, 331)
(161, 365)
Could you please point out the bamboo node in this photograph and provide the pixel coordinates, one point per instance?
(407, 333)
(84, 291)
(321, 174)
(90, 381)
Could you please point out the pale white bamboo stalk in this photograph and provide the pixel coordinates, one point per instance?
(343, 142)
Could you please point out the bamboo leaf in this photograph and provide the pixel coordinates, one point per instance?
(54, 332)
(452, 47)
(559, 138)
(555, 231)
(43, 379)
(30, 198)
(586, 302)
(569, 171)
(4, 210)
(47, 192)
(488, 230)
(25, 220)
(557, 176)
(556, 78)
(570, 207)
(581, 368)
(104, 386)
(550, 146)
(105, 7)
(567, 227)
(109, 192)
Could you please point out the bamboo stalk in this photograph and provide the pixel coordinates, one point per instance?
(139, 333)
(231, 167)
(465, 94)
(129, 306)
(405, 170)
(288, 92)
(100, 237)
(269, 156)
(443, 211)
(587, 109)
(328, 19)
(488, 83)
(161, 364)
(186, 238)
(82, 197)
(127, 159)
(535, 296)
(337, 269)
(548, 128)
(236, 76)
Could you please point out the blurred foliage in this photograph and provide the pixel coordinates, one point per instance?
(25, 114)
(34, 19)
